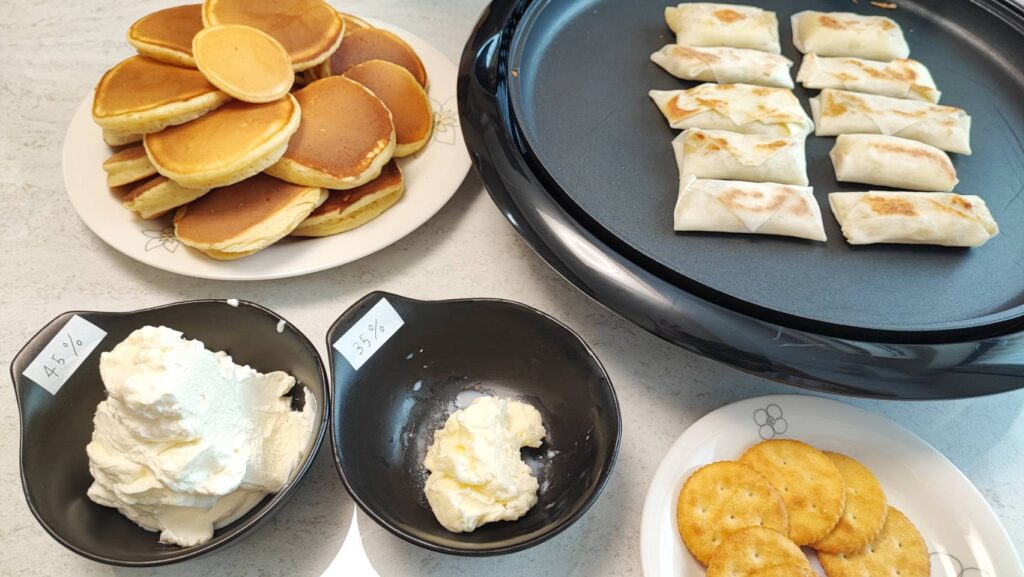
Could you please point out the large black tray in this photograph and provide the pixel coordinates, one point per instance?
(554, 108)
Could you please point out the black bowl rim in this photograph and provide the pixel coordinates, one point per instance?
(249, 522)
(550, 531)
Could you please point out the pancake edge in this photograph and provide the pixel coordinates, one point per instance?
(158, 118)
(361, 212)
(116, 138)
(127, 172)
(166, 199)
(260, 236)
(162, 53)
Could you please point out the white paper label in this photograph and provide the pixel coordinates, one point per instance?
(64, 353)
(369, 333)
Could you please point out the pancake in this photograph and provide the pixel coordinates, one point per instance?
(310, 30)
(166, 35)
(141, 95)
(129, 165)
(347, 209)
(246, 217)
(353, 22)
(159, 195)
(230, 144)
(323, 70)
(346, 136)
(376, 44)
(244, 62)
(115, 138)
(405, 98)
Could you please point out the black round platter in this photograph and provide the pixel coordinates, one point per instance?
(554, 106)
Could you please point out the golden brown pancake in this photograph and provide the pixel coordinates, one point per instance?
(244, 62)
(353, 22)
(409, 104)
(141, 95)
(347, 209)
(159, 195)
(376, 44)
(116, 138)
(166, 35)
(246, 217)
(129, 165)
(310, 30)
(323, 70)
(346, 136)
(230, 144)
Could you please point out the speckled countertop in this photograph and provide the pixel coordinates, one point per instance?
(51, 55)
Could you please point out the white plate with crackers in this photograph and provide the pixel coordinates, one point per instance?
(432, 176)
(943, 527)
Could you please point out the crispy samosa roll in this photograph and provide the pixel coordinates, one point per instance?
(725, 65)
(848, 34)
(748, 207)
(839, 112)
(733, 156)
(708, 24)
(736, 107)
(893, 162)
(940, 218)
(900, 78)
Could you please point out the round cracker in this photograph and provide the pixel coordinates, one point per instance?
(898, 550)
(809, 482)
(721, 498)
(865, 512)
(759, 552)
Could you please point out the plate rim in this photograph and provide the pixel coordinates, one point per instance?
(223, 273)
(665, 471)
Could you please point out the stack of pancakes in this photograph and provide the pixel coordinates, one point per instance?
(254, 121)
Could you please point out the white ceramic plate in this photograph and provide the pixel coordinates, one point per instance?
(431, 178)
(963, 534)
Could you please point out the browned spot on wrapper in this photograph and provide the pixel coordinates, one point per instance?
(728, 16)
(677, 113)
(773, 145)
(902, 70)
(684, 52)
(739, 199)
(962, 203)
(937, 158)
(890, 206)
(832, 107)
(830, 22)
(957, 206)
(800, 208)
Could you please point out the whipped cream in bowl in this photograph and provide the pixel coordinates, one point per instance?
(195, 428)
(477, 474)
(187, 441)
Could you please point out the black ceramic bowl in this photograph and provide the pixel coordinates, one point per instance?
(444, 354)
(56, 428)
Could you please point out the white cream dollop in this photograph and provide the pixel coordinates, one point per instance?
(187, 441)
(476, 472)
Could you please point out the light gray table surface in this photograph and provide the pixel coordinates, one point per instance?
(52, 54)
